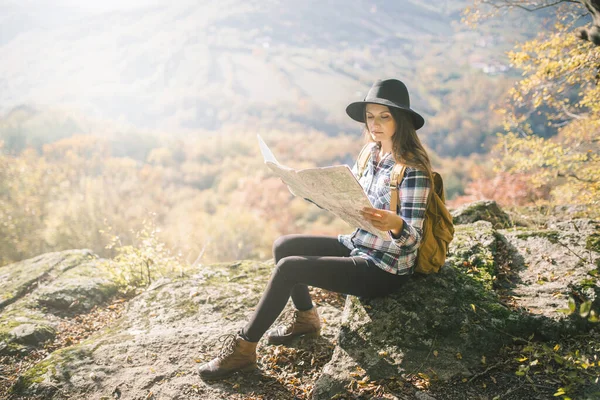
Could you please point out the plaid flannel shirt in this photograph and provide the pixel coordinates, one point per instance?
(399, 255)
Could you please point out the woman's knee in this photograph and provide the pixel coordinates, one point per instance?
(285, 267)
(283, 247)
(278, 245)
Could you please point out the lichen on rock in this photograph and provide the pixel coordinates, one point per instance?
(483, 210)
(442, 325)
(68, 282)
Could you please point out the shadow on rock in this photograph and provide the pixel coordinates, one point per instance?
(441, 325)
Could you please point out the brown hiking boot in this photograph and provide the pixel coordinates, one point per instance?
(236, 355)
(303, 323)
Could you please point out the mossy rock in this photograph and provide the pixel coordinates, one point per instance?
(157, 338)
(473, 249)
(33, 334)
(551, 235)
(38, 380)
(19, 278)
(593, 242)
(78, 290)
(22, 329)
(548, 267)
(440, 325)
(484, 210)
(68, 282)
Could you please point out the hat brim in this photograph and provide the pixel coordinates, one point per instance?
(356, 111)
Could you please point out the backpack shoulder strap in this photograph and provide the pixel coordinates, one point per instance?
(395, 179)
(438, 186)
(363, 159)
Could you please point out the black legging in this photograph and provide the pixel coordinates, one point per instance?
(320, 261)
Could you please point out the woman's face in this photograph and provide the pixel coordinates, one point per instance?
(380, 123)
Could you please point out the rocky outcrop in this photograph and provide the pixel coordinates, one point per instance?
(549, 266)
(19, 279)
(498, 284)
(35, 291)
(484, 210)
(153, 350)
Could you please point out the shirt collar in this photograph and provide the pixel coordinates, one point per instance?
(388, 159)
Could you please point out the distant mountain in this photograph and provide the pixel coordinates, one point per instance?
(179, 65)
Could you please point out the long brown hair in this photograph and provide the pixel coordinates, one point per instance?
(406, 146)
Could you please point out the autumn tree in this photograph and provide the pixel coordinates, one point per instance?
(559, 81)
(25, 186)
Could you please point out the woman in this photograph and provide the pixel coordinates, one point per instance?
(361, 263)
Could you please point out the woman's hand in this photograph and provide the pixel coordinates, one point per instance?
(383, 219)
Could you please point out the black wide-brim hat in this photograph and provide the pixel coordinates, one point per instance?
(389, 92)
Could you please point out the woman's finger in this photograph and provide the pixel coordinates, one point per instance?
(372, 212)
(369, 210)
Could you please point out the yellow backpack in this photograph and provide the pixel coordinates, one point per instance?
(438, 229)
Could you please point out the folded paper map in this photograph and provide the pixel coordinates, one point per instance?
(334, 189)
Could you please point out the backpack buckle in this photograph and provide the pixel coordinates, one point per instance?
(394, 194)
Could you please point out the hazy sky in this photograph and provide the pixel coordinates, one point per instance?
(87, 5)
(186, 64)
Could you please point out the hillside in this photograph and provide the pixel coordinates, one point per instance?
(183, 66)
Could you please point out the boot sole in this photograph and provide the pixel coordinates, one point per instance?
(289, 339)
(248, 368)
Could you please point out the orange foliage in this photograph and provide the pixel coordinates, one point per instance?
(505, 188)
(269, 197)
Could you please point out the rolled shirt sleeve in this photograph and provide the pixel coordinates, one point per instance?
(414, 192)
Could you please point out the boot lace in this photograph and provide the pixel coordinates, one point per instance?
(229, 342)
(289, 319)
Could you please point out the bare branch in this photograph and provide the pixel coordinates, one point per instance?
(530, 6)
(562, 175)
(570, 114)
